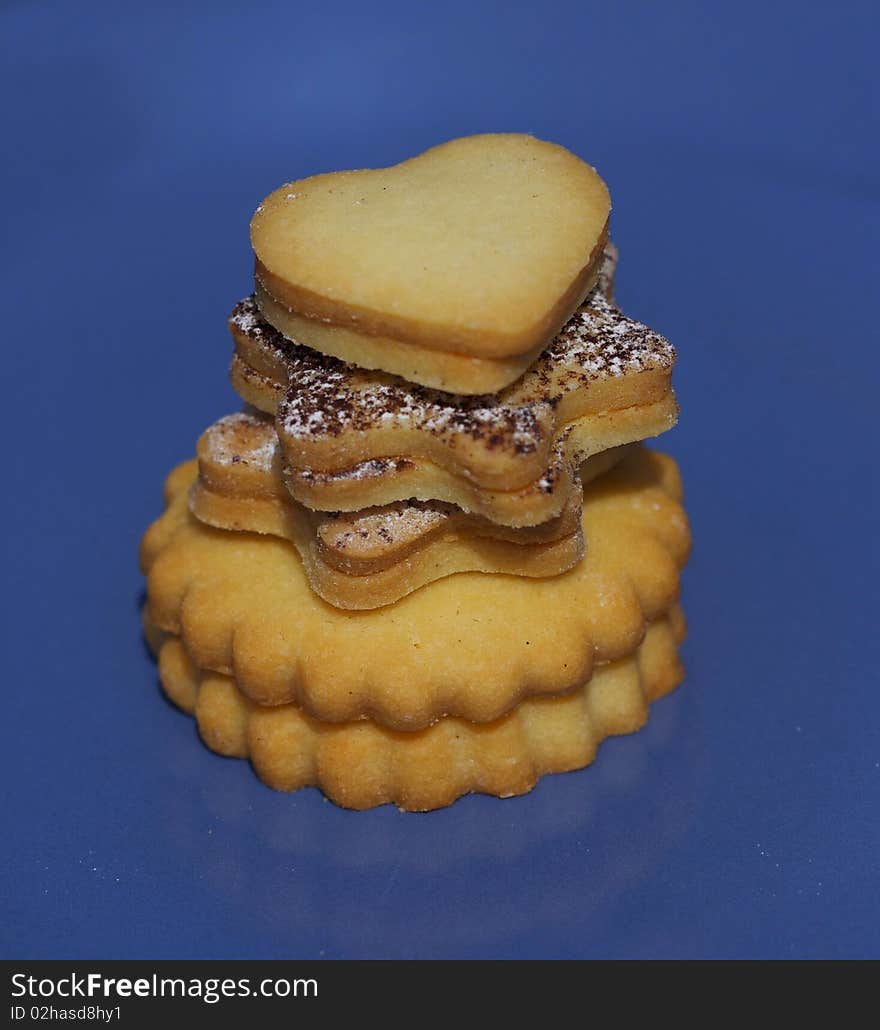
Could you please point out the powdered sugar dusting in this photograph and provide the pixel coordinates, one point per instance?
(379, 528)
(241, 439)
(375, 468)
(249, 440)
(600, 341)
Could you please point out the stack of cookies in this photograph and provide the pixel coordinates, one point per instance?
(430, 555)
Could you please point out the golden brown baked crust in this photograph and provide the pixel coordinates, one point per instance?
(361, 764)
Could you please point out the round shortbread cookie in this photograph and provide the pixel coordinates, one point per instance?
(471, 645)
(361, 764)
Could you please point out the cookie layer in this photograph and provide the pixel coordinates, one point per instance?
(482, 246)
(361, 765)
(471, 645)
(349, 435)
(370, 558)
(452, 373)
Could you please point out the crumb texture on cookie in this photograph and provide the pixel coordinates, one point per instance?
(471, 645)
(361, 764)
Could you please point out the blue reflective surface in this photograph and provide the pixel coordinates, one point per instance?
(741, 152)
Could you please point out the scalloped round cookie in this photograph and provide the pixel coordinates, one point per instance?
(472, 645)
(361, 764)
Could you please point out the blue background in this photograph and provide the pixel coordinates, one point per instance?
(740, 144)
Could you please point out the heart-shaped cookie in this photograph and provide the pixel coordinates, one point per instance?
(481, 247)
